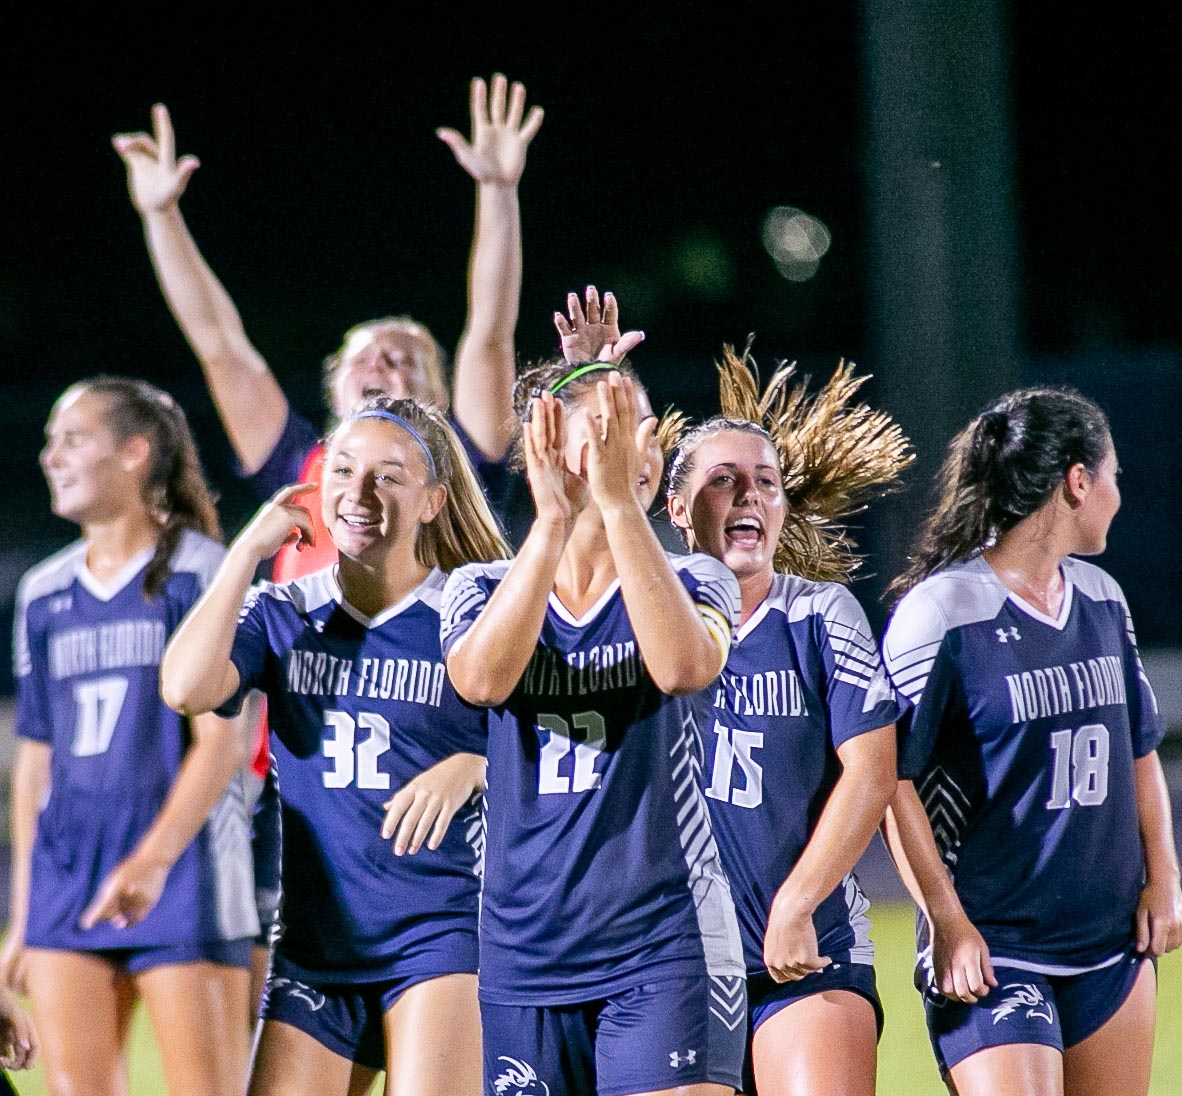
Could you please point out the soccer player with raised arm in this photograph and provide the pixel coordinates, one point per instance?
(610, 960)
(376, 966)
(1034, 826)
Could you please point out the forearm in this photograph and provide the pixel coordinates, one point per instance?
(492, 656)
(909, 838)
(485, 368)
(196, 674)
(217, 753)
(679, 651)
(30, 782)
(847, 823)
(1154, 818)
(248, 398)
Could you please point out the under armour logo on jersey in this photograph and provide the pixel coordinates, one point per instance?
(677, 1060)
(1004, 635)
(519, 1079)
(61, 604)
(1024, 996)
(301, 992)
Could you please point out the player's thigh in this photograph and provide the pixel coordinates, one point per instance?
(81, 1006)
(825, 1044)
(1116, 1059)
(1014, 1069)
(433, 1039)
(200, 1013)
(289, 1062)
(260, 966)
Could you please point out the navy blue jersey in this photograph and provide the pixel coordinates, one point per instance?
(287, 462)
(88, 667)
(358, 707)
(804, 676)
(602, 871)
(1021, 744)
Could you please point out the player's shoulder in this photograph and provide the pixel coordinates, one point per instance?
(800, 598)
(700, 566)
(475, 575)
(197, 554)
(303, 595)
(53, 574)
(1093, 582)
(710, 582)
(963, 593)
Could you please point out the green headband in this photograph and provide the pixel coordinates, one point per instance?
(582, 371)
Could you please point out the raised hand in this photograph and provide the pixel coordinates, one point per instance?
(496, 152)
(421, 811)
(280, 521)
(617, 452)
(594, 335)
(128, 894)
(155, 178)
(545, 460)
(790, 950)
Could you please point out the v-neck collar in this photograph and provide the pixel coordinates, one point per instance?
(385, 615)
(1023, 606)
(581, 622)
(753, 621)
(106, 591)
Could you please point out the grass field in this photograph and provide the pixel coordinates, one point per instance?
(905, 1063)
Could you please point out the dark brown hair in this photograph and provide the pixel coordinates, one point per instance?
(1003, 467)
(174, 489)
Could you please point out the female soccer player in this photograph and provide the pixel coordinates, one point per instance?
(131, 859)
(1036, 828)
(610, 960)
(395, 355)
(800, 749)
(376, 968)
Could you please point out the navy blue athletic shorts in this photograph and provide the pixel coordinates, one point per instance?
(661, 1034)
(1049, 1009)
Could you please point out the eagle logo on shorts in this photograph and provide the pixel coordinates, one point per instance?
(1024, 996)
(301, 992)
(519, 1079)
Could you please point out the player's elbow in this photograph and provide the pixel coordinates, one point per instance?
(687, 673)
(477, 682)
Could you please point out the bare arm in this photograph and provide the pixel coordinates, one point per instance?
(423, 808)
(495, 158)
(196, 674)
(488, 662)
(30, 783)
(848, 821)
(681, 654)
(249, 400)
(960, 955)
(1159, 913)
(134, 887)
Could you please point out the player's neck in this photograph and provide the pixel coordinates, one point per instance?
(1027, 560)
(753, 592)
(586, 569)
(112, 544)
(372, 588)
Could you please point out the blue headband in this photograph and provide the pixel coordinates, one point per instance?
(389, 416)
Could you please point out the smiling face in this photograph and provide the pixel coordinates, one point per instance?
(382, 360)
(377, 489)
(733, 504)
(582, 415)
(91, 476)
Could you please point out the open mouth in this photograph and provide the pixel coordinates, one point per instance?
(744, 533)
(358, 522)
